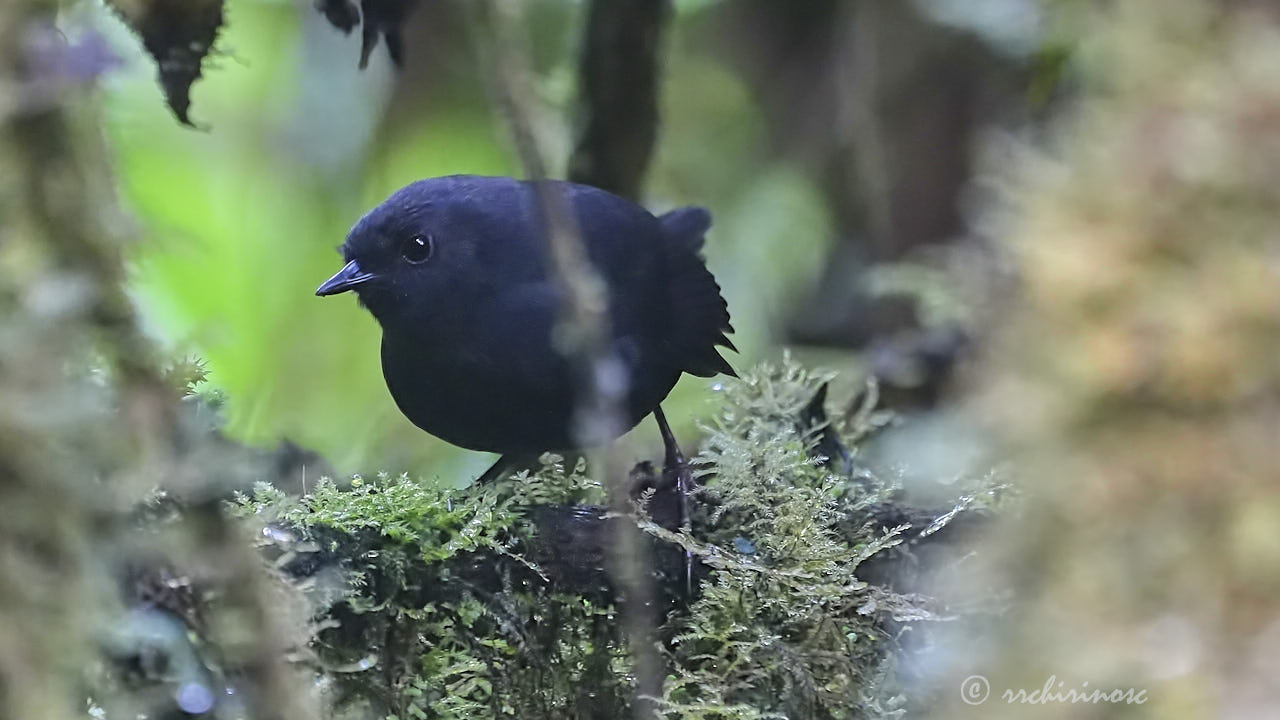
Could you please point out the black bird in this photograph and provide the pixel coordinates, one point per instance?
(457, 271)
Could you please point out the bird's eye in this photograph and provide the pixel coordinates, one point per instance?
(418, 249)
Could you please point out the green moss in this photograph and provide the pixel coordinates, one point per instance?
(786, 628)
(446, 612)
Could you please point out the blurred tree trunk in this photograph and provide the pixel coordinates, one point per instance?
(884, 107)
(618, 76)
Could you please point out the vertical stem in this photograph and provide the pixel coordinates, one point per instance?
(603, 390)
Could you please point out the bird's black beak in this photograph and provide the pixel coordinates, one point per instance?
(348, 277)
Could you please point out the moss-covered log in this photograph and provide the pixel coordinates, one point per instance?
(487, 601)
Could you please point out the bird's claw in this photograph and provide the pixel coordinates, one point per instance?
(675, 469)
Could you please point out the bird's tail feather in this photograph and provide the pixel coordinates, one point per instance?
(687, 224)
(701, 314)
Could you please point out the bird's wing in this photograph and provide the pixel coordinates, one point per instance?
(659, 287)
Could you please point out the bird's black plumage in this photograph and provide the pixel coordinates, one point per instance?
(457, 272)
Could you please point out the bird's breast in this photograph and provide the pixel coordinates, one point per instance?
(480, 400)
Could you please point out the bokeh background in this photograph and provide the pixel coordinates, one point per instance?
(833, 142)
(1049, 229)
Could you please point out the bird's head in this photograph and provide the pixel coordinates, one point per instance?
(423, 253)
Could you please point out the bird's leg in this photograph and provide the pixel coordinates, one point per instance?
(673, 462)
(504, 465)
(512, 462)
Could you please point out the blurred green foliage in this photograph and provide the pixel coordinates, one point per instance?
(237, 223)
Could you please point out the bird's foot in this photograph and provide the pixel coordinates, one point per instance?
(676, 470)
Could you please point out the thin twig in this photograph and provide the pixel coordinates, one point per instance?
(602, 387)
